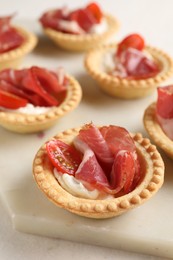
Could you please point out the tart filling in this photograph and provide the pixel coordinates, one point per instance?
(131, 62)
(10, 38)
(33, 99)
(128, 73)
(85, 20)
(37, 86)
(118, 175)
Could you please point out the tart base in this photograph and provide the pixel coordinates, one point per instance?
(155, 131)
(13, 58)
(126, 88)
(23, 123)
(152, 180)
(82, 42)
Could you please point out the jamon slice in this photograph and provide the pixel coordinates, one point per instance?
(90, 172)
(164, 106)
(9, 36)
(117, 138)
(164, 109)
(50, 19)
(123, 172)
(91, 135)
(138, 65)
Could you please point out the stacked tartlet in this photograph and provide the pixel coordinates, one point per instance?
(80, 29)
(129, 69)
(33, 99)
(16, 42)
(137, 170)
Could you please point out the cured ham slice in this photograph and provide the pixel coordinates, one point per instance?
(91, 135)
(90, 172)
(123, 171)
(9, 36)
(137, 64)
(117, 138)
(164, 109)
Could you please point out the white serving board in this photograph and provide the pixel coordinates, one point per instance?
(146, 229)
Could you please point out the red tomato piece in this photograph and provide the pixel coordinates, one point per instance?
(123, 172)
(117, 138)
(84, 18)
(132, 41)
(164, 107)
(96, 11)
(64, 157)
(11, 101)
(13, 89)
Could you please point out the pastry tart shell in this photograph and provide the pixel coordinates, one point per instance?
(127, 88)
(155, 131)
(13, 58)
(152, 179)
(24, 123)
(82, 42)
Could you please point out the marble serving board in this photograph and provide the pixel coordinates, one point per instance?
(146, 229)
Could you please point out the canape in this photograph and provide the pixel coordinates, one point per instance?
(80, 29)
(98, 172)
(129, 69)
(32, 100)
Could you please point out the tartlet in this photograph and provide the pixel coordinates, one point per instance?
(82, 42)
(122, 87)
(155, 131)
(12, 58)
(153, 176)
(30, 123)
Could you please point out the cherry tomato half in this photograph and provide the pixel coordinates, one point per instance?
(11, 101)
(131, 41)
(95, 10)
(64, 157)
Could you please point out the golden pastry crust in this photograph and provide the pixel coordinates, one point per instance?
(155, 131)
(12, 59)
(126, 88)
(153, 177)
(82, 42)
(23, 123)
